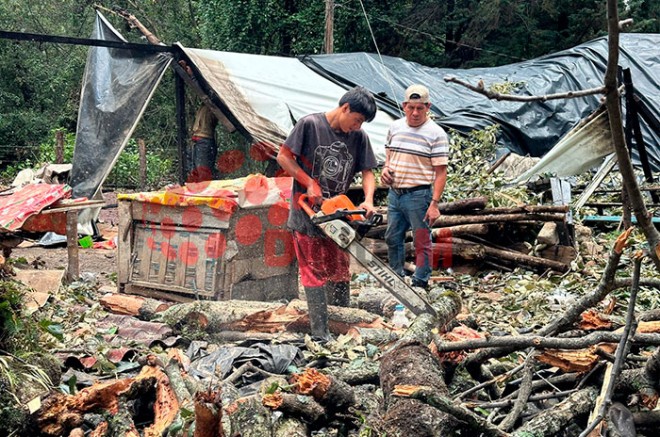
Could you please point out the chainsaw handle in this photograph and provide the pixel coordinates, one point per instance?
(304, 204)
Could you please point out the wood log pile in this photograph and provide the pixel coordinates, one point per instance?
(470, 235)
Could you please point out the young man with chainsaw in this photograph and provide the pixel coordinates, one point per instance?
(323, 153)
(415, 169)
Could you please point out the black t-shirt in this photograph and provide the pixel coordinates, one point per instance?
(332, 158)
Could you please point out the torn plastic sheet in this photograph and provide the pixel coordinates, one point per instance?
(117, 85)
(580, 150)
(271, 358)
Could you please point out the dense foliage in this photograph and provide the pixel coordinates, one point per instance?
(40, 85)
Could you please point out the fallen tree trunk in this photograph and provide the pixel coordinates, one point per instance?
(412, 363)
(235, 315)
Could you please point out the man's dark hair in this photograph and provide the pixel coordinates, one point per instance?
(360, 100)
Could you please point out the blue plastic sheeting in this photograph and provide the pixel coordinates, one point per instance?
(526, 127)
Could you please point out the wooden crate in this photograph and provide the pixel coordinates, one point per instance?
(181, 253)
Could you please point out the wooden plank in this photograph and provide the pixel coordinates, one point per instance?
(124, 242)
(180, 270)
(604, 169)
(73, 266)
(73, 206)
(154, 213)
(173, 288)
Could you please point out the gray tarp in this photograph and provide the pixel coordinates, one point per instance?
(527, 128)
(117, 86)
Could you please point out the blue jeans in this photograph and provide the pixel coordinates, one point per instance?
(404, 212)
(204, 155)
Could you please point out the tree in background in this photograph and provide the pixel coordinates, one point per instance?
(40, 85)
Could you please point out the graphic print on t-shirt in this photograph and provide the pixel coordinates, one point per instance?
(332, 167)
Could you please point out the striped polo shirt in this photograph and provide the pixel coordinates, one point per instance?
(413, 151)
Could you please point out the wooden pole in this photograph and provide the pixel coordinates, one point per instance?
(142, 151)
(182, 132)
(73, 266)
(59, 147)
(328, 40)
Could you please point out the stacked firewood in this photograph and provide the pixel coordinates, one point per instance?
(469, 234)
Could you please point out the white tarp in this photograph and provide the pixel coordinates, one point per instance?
(579, 150)
(268, 94)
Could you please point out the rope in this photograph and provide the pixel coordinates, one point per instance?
(380, 57)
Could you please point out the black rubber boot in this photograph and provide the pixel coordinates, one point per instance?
(318, 312)
(339, 293)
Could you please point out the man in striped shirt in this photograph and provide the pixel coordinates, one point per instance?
(415, 169)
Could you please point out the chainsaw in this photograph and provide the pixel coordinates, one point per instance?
(340, 221)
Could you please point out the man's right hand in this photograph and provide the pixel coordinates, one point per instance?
(314, 193)
(387, 176)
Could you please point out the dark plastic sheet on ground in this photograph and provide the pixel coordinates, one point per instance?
(527, 128)
(271, 358)
(117, 86)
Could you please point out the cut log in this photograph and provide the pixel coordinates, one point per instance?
(463, 205)
(208, 414)
(340, 319)
(60, 413)
(144, 308)
(553, 420)
(290, 427)
(442, 249)
(412, 364)
(249, 418)
(304, 407)
(518, 258)
(373, 336)
(333, 394)
(366, 373)
(459, 230)
(377, 300)
(213, 316)
(445, 404)
(234, 315)
(454, 220)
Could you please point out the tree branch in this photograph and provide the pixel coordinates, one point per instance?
(514, 98)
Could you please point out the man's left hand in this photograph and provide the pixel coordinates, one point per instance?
(432, 214)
